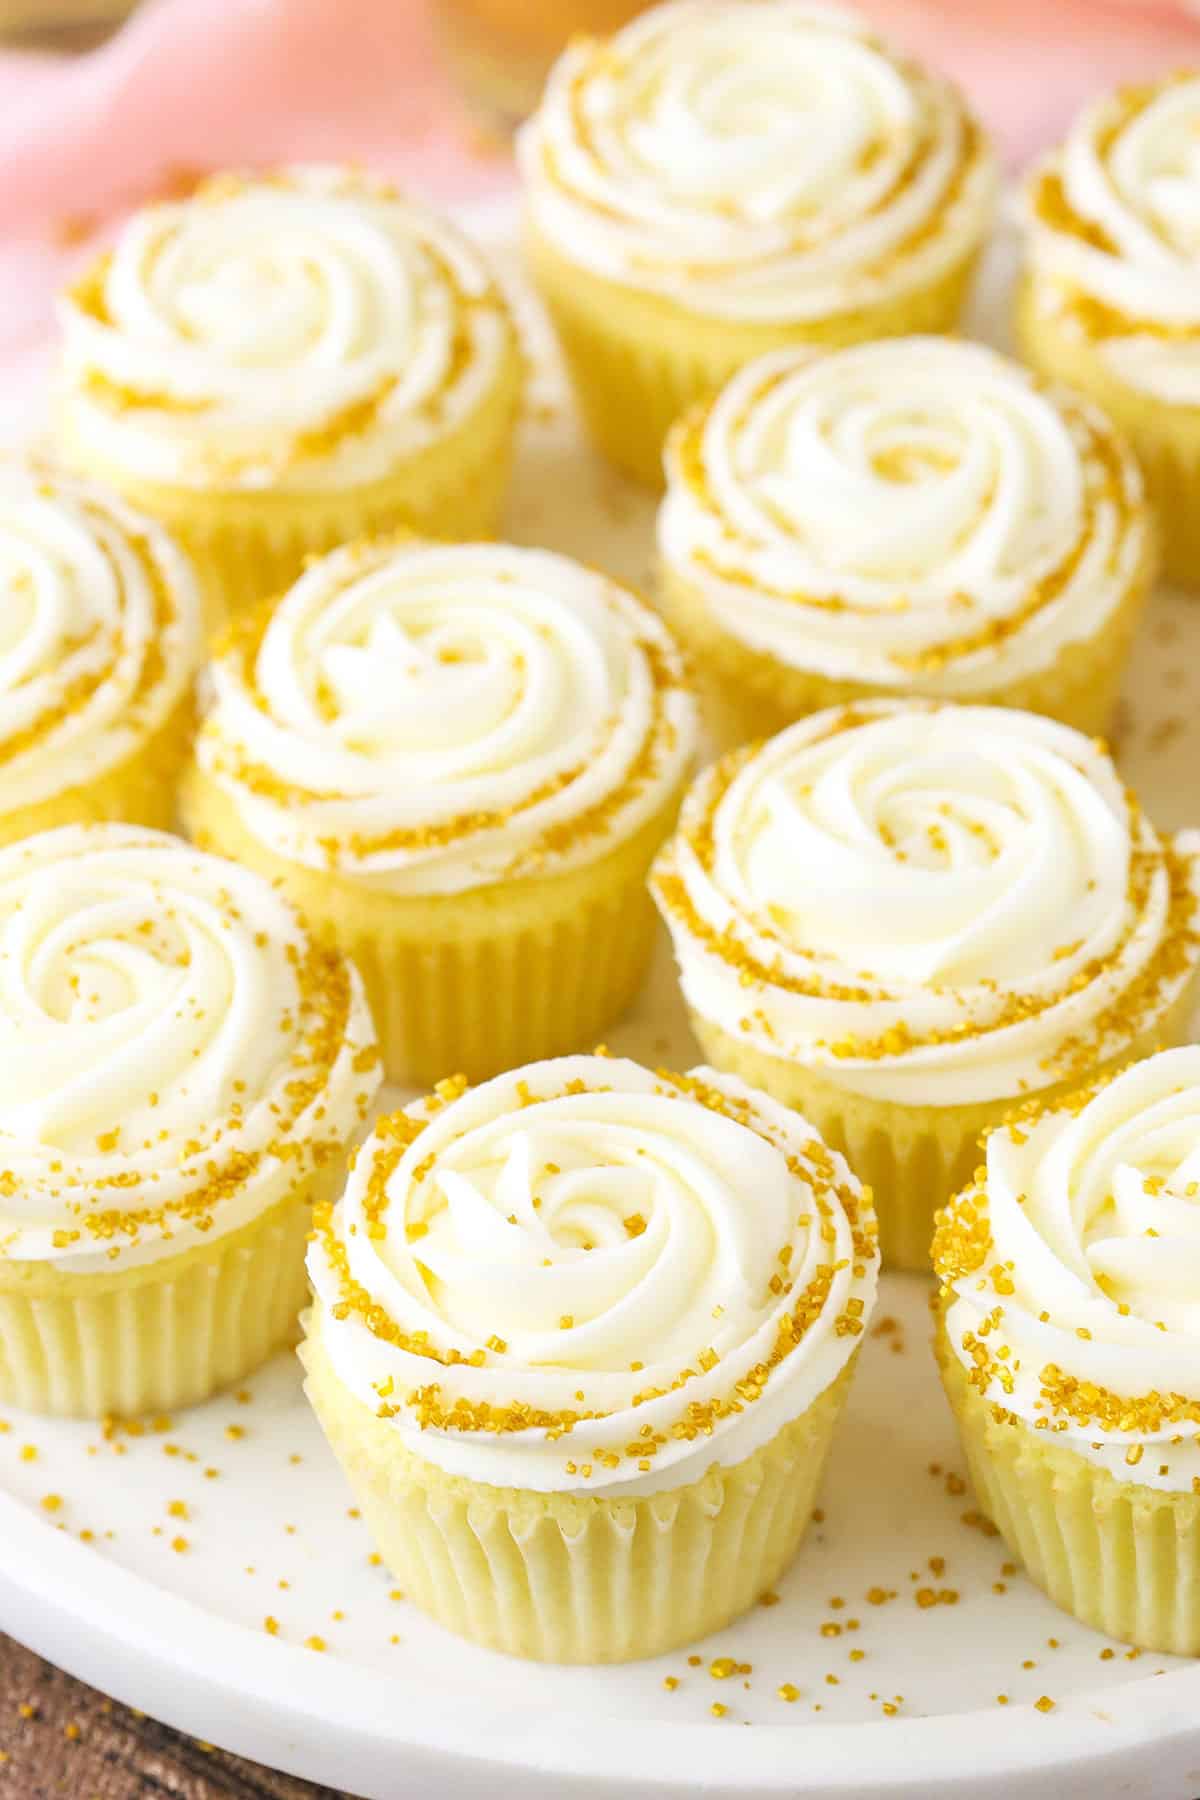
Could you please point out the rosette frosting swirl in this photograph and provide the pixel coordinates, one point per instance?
(768, 159)
(100, 632)
(1114, 220)
(910, 511)
(429, 718)
(1072, 1274)
(584, 1276)
(934, 904)
(279, 329)
(176, 1053)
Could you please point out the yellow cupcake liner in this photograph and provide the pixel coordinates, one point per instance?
(141, 790)
(162, 1334)
(251, 544)
(1123, 1558)
(913, 1158)
(747, 694)
(477, 982)
(637, 361)
(1165, 438)
(573, 1578)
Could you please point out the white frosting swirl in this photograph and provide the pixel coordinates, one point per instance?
(176, 1053)
(1114, 223)
(629, 1277)
(1085, 1241)
(100, 632)
(764, 159)
(933, 904)
(429, 717)
(311, 326)
(914, 512)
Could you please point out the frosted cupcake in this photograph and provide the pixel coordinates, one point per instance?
(459, 761)
(580, 1340)
(284, 362)
(912, 516)
(724, 177)
(902, 919)
(1068, 1344)
(181, 1070)
(1111, 296)
(100, 640)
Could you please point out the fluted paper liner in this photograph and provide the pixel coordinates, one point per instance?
(747, 693)
(158, 1336)
(140, 790)
(573, 1578)
(637, 361)
(482, 981)
(249, 544)
(1121, 1557)
(913, 1158)
(1165, 438)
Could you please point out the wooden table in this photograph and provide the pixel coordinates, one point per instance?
(60, 1740)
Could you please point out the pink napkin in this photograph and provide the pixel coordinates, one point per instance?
(189, 85)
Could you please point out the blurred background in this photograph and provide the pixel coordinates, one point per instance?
(105, 104)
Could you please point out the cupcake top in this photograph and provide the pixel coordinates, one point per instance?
(582, 1277)
(914, 513)
(1071, 1273)
(429, 717)
(176, 1053)
(100, 631)
(755, 160)
(1114, 229)
(309, 327)
(933, 904)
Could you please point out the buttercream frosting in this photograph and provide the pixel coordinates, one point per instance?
(308, 327)
(1071, 1274)
(100, 631)
(177, 1054)
(917, 512)
(428, 718)
(584, 1277)
(1114, 234)
(760, 160)
(931, 904)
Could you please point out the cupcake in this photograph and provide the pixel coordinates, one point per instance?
(100, 640)
(913, 516)
(580, 1339)
(182, 1067)
(284, 362)
(905, 918)
(1067, 1336)
(726, 177)
(1110, 299)
(459, 761)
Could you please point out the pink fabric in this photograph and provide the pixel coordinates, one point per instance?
(189, 85)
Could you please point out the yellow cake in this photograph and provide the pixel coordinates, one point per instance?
(904, 918)
(284, 362)
(916, 516)
(588, 1457)
(183, 1068)
(100, 642)
(725, 177)
(1067, 1328)
(459, 761)
(1110, 299)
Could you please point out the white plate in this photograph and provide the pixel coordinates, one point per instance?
(168, 1613)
